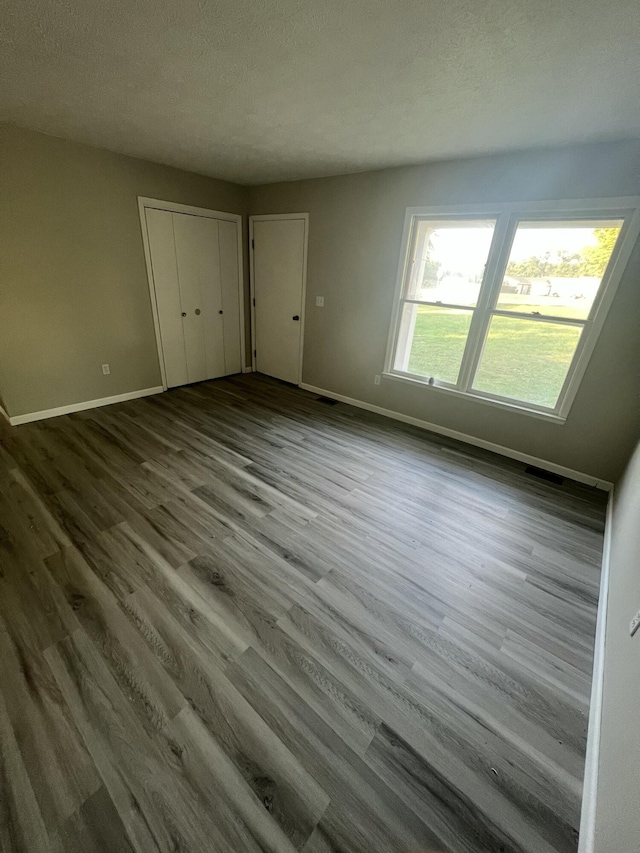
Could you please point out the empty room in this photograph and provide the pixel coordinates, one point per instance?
(319, 426)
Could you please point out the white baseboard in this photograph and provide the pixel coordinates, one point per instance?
(605, 485)
(86, 404)
(3, 414)
(247, 369)
(590, 790)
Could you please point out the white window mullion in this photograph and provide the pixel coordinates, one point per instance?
(491, 282)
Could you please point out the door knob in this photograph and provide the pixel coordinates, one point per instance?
(197, 312)
(295, 317)
(184, 313)
(220, 312)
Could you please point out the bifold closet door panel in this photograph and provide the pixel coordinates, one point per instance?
(167, 294)
(198, 261)
(228, 241)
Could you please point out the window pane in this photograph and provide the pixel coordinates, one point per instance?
(526, 360)
(555, 268)
(448, 260)
(432, 341)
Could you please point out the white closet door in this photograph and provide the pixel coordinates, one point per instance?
(228, 242)
(167, 294)
(278, 280)
(195, 272)
(198, 261)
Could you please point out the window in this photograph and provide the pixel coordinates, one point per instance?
(505, 305)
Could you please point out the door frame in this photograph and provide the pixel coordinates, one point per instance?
(261, 218)
(175, 207)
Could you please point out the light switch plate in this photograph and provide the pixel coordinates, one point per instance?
(635, 623)
(319, 301)
(106, 369)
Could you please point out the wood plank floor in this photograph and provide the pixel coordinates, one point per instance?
(236, 618)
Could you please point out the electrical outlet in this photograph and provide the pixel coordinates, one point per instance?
(376, 380)
(319, 301)
(635, 623)
(106, 369)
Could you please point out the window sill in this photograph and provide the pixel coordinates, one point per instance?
(478, 398)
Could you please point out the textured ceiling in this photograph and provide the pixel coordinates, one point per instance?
(264, 90)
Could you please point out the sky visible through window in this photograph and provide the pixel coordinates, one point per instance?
(465, 249)
(536, 242)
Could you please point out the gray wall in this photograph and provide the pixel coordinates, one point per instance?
(73, 282)
(354, 239)
(618, 792)
(74, 295)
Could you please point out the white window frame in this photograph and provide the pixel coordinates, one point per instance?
(507, 216)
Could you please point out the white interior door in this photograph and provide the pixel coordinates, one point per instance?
(198, 262)
(162, 251)
(279, 257)
(195, 273)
